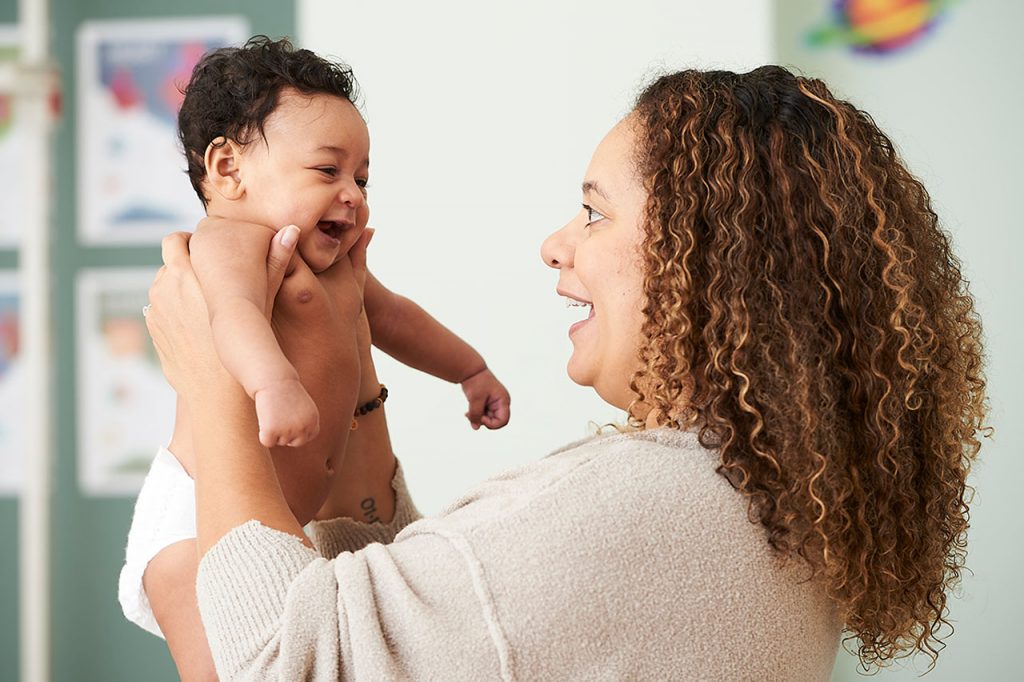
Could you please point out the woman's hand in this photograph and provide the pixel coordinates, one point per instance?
(177, 318)
(235, 476)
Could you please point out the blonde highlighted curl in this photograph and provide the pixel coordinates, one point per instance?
(807, 316)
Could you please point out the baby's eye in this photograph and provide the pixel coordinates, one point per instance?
(363, 183)
(593, 215)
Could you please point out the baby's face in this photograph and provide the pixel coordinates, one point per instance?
(311, 172)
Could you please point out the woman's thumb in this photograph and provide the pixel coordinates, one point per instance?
(281, 249)
(357, 254)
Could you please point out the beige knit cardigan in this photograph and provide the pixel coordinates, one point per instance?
(622, 557)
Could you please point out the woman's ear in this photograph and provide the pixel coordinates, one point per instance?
(222, 161)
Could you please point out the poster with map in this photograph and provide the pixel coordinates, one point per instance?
(12, 389)
(11, 189)
(132, 186)
(125, 407)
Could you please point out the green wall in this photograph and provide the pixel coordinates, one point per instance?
(8, 506)
(91, 639)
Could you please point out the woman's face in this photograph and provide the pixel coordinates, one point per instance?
(597, 255)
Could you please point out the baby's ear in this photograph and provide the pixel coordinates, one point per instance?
(222, 161)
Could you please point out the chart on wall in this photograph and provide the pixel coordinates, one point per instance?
(132, 186)
(12, 389)
(10, 150)
(125, 407)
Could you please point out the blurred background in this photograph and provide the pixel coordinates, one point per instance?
(483, 117)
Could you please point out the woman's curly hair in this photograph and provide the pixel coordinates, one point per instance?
(804, 305)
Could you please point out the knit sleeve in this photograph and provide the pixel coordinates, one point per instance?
(415, 609)
(335, 536)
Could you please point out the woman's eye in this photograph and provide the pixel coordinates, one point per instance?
(328, 170)
(593, 215)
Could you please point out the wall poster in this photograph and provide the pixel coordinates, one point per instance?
(125, 406)
(12, 388)
(11, 190)
(132, 186)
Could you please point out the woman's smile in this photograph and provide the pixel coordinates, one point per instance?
(589, 253)
(572, 302)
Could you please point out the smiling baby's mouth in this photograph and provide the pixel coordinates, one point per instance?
(331, 228)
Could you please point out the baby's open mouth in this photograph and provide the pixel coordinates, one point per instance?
(331, 228)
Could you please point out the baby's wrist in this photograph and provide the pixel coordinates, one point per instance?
(478, 369)
(274, 384)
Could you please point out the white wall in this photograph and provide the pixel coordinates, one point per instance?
(952, 103)
(483, 117)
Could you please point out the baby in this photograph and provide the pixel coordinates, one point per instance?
(272, 138)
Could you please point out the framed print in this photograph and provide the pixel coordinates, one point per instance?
(132, 185)
(12, 388)
(125, 408)
(11, 186)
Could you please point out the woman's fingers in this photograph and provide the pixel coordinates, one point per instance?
(176, 270)
(357, 256)
(178, 321)
(282, 248)
(349, 269)
(174, 250)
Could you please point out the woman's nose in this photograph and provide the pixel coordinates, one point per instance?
(557, 250)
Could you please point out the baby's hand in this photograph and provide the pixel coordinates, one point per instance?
(488, 400)
(286, 414)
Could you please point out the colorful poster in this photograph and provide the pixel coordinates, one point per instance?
(11, 189)
(132, 186)
(878, 27)
(12, 389)
(125, 407)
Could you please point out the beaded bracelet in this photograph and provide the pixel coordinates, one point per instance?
(369, 407)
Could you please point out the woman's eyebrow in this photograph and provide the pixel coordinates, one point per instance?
(592, 186)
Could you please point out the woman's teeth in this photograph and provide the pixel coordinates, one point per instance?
(573, 303)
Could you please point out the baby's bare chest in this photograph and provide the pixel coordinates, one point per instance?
(312, 334)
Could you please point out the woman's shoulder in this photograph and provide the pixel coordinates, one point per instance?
(638, 532)
(626, 476)
(661, 458)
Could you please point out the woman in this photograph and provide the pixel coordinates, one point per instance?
(775, 308)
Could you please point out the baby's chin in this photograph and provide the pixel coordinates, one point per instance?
(320, 252)
(318, 258)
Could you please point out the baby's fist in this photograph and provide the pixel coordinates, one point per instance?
(286, 414)
(489, 401)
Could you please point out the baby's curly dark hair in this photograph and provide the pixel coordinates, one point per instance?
(808, 313)
(233, 90)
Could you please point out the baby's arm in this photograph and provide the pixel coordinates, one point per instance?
(406, 332)
(230, 263)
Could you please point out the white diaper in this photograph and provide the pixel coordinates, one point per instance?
(165, 513)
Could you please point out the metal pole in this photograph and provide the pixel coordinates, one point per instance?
(34, 118)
